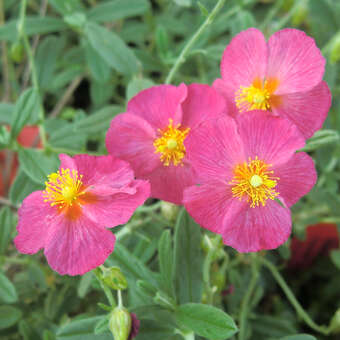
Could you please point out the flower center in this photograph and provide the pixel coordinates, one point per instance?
(63, 188)
(255, 181)
(170, 144)
(257, 96)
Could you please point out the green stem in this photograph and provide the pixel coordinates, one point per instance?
(206, 271)
(180, 60)
(129, 228)
(245, 302)
(105, 289)
(292, 299)
(271, 14)
(23, 36)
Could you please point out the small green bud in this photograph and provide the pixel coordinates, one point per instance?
(300, 13)
(169, 211)
(114, 278)
(335, 50)
(120, 323)
(335, 323)
(17, 52)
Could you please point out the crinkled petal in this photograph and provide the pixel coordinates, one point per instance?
(75, 247)
(272, 139)
(158, 104)
(110, 211)
(35, 219)
(215, 148)
(131, 138)
(258, 228)
(105, 175)
(244, 59)
(211, 205)
(307, 110)
(296, 178)
(294, 60)
(202, 103)
(168, 182)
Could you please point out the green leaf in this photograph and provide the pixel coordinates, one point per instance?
(322, 138)
(9, 316)
(184, 3)
(33, 25)
(335, 256)
(206, 321)
(112, 49)
(102, 326)
(26, 107)
(36, 164)
(48, 52)
(118, 9)
(66, 6)
(166, 263)
(84, 284)
(8, 293)
(136, 85)
(6, 228)
(6, 113)
(82, 330)
(188, 259)
(22, 187)
(299, 337)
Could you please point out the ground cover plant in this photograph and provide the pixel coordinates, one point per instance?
(169, 169)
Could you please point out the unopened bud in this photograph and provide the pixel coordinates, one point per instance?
(335, 50)
(300, 12)
(17, 52)
(169, 211)
(114, 278)
(120, 323)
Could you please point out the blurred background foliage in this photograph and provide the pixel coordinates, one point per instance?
(90, 57)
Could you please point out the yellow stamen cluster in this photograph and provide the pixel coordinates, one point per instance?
(170, 144)
(63, 188)
(254, 97)
(255, 181)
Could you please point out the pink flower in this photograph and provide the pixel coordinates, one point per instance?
(151, 134)
(69, 218)
(283, 76)
(245, 166)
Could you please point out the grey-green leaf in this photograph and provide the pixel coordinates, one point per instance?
(8, 293)
(112, 49)
(188, 259)
(206, 321)
(6, 227)
(298, 337)
(26, 107)
(9, 316)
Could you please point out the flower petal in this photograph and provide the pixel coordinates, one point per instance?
(202, 103)
(168, 182)
(110, 211)
(307, 110)
(75, 247)
(131, 138)
(272, 139)
(228, 93)
(211, 205)
(294, 60)
(158, 104)
(297, 177)
(35, 218)
(258, 228)
(244, 59)
(214, 148)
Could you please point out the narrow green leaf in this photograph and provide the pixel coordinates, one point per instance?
(166, 263)
(9, 316)
(112, 49)
(8, 293)
(22, 187)
(26, 107)
(6, 228)
(6, 113)
(66, 6)
(36, 164)
(206, 321)
(322, 138)
(82, 330)
(298, 337)
(188, 259)
(102, 326)
(118, 9)
(84, 284)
